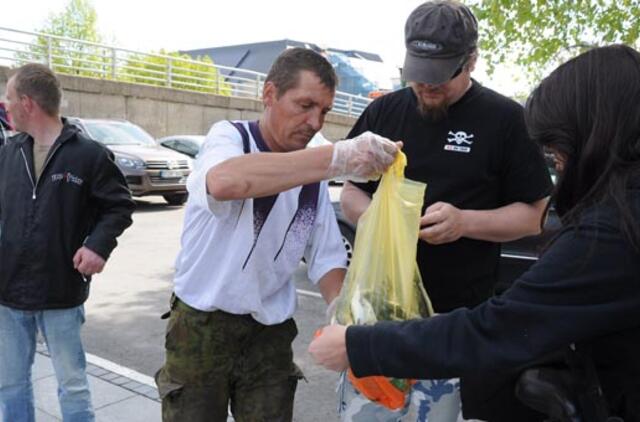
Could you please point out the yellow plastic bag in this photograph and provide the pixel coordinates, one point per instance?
(383, 281)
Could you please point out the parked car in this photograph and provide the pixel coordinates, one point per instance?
(185, 144)
(347, 230)
(148, 168)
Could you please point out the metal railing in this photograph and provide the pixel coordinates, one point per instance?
(88, 59)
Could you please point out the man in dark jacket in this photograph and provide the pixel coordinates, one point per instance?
(63, 203)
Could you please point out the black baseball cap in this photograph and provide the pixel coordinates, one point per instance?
(439, 35)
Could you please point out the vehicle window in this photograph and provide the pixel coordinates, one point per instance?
(189, 147)
(115, 133)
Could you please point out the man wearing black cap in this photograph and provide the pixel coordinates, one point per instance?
(487, 182)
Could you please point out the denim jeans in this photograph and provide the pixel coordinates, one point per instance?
(61, 331)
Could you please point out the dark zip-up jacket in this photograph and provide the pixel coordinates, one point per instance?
(81, 198)
(584, 290)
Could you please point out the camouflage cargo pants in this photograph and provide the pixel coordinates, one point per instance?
(215, 360)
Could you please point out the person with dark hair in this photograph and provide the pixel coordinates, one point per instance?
(487, 182)
(584, 291)
(63, 203)
(256, 207)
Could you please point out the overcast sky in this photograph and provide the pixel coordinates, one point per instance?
(375, 26)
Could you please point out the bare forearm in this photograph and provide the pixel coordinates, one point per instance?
(354, 202)
(331, 283)
(264, 174)
(506, 223)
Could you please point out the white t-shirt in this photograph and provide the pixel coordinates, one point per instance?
(239, 256)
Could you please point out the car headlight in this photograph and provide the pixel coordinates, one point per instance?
(131, 163)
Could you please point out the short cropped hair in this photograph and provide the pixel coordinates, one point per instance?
(285, 71)
(40, 84)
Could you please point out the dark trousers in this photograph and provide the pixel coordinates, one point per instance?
(215, 360)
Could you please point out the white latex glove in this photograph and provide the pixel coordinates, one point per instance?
(362, 158)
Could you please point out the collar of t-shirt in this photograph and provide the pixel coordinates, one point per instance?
(40, 153)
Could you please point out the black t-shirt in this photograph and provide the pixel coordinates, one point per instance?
(479, 157)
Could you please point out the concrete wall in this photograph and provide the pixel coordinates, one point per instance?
(163, 111)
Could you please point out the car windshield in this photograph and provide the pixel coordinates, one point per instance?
(191, 146)
(116, 133)
(193, 141)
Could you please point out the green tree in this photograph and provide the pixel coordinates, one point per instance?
(78, 22)
(175, 70)
(79, 53)
(537, 35)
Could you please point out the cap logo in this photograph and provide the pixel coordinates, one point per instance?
(426, 46)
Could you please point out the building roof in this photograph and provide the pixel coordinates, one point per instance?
(260, 56)
(354, 67)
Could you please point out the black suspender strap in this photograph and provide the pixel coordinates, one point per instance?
(244, 134)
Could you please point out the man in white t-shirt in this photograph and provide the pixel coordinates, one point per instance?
(256, 207)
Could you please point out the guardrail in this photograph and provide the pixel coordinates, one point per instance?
(82, 58)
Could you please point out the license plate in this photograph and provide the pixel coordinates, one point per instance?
(170, 174)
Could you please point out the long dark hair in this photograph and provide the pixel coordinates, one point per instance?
(588, 110)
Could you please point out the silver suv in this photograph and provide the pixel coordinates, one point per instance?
(148, 168)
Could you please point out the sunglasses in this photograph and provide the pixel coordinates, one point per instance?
(458, 71)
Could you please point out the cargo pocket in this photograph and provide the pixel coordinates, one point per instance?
(170, 393)
(166, 386)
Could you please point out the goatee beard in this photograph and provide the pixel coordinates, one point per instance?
(433, 114)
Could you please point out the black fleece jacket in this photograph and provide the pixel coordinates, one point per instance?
(81, 198)
(585, 289)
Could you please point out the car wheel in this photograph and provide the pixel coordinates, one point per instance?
(348, 237)
(176, 198)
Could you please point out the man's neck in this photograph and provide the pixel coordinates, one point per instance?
(461, 94)
(267, 135)
(46, 131)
